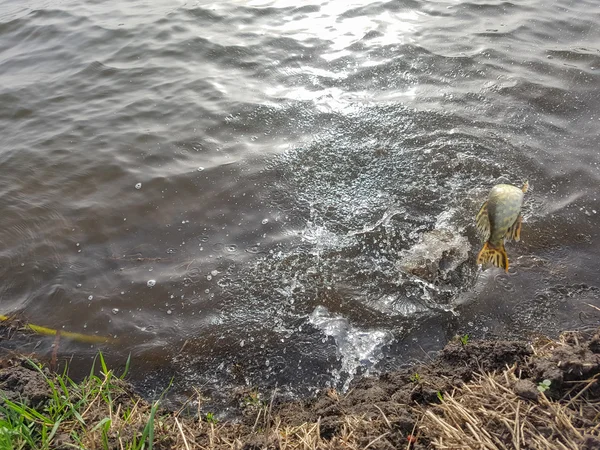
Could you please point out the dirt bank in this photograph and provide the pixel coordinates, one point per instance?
(489, 394)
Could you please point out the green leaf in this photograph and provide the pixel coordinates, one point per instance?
(54, 429)
(103, 363)
(102, 422)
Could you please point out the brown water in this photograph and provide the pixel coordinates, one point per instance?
(272, 167)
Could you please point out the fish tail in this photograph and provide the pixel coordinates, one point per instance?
(495, 255)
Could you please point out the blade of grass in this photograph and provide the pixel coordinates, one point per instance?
(149, 428)
(103, 363)
(101, 423)
(126, 370)
(28, 413)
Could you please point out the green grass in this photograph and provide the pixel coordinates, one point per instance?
(85, 412)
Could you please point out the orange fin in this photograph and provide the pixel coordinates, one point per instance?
(525, 186)
(482, 222)
(495, 255)
(514, 232)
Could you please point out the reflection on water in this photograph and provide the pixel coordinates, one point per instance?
(266, 193)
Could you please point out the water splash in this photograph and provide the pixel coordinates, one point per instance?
(357, 349)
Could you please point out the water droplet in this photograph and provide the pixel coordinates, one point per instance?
(242, 343)
(138, 186)
(265, 221)
(169, 311)
(214, 273)
(200, 169)
(209, 277)
(151, 283)
(115, 310)
(90, 298)
(84, 326)
(122, 292)
(78, 285)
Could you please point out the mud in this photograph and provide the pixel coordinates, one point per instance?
(19, 381)
(388, 401)
(389, 408)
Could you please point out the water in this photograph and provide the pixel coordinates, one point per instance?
(270, 194)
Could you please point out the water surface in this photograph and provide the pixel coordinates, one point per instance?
(274, 169)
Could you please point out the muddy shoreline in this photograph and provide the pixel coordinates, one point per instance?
(409, 408)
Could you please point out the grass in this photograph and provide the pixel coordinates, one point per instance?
(90, 414)
(102, 413)
(487, 414)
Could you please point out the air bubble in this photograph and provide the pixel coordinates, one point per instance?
(265, 221)
(151, 283)
(138, 186)
(169, 311)
(214, 273)
(115, 311)
(91, 297)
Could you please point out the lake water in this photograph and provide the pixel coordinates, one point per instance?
(239, 191)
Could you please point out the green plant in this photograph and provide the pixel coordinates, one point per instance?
(415, 378)
(253, 399)
(210, 418)
(543, 386)
(464, 340)
(440, 396)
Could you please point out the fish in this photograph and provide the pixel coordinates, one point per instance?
(499, 219)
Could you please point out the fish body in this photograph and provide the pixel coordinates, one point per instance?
(499, 219)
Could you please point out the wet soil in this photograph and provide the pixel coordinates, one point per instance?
(389, 407)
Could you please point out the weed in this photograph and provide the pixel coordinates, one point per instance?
(464, 340)
(543, 386)
(253, 399)
(210, 418)
(415, 378)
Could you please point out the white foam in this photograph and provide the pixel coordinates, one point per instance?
(356, 348)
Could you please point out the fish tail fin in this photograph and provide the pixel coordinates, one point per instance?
(525, 186)
(495, 255)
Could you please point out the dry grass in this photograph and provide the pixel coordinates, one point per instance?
(484, 414)
(102, 413)
(488, 414)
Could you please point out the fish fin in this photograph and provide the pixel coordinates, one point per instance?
(495, 255)
(483, 222)
(525, 186)
(514, 232)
